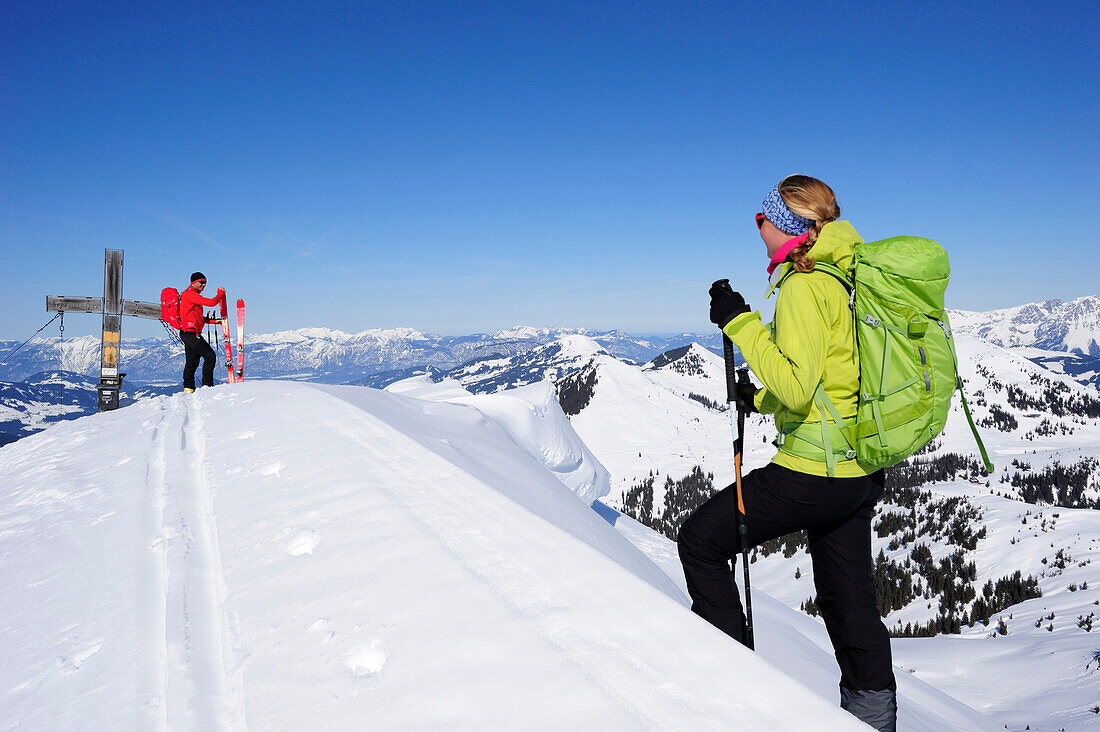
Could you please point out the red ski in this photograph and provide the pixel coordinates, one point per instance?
(231, 377)
(240, 340)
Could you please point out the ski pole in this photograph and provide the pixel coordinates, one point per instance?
(735, 376)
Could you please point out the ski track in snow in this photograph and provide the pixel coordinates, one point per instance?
(155, 484)
(192, 625)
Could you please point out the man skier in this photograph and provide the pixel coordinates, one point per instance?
(192, 322)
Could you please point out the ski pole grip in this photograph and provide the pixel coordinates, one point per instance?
(731, 370)
(742, 407)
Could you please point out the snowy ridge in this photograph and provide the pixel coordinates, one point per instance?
(435, 573)
(526, 331)
(794, 642)
(533, 411)
(392, 334)
(376, 335)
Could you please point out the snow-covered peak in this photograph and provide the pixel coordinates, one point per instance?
(303, 334)
(380, 336)
(387, 335)
(689, 359)
(577, 347)
(1053, 325)
(522, 332)
(550, 361)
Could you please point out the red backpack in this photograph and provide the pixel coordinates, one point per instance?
(170, 307)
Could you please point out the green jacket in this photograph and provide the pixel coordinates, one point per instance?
(811, 341)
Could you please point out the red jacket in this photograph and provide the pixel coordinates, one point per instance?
(191, 304)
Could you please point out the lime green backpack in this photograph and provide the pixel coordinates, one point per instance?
(907, 362)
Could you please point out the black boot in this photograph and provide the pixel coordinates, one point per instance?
(876, 708)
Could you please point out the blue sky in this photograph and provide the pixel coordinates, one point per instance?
(464, 167)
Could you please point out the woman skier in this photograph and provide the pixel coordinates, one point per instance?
(811, 342)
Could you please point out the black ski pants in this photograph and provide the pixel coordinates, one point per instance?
(836, 513)
(196, 347)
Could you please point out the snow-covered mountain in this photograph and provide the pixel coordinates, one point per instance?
(31, 405)
(293, 556)
(1053, 325)
(662, 418)
(551, 361)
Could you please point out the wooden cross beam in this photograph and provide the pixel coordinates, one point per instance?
(136, 308)
(113, 307)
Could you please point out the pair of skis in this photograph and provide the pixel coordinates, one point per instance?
(233, 376)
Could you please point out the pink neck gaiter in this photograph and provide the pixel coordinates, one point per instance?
(781, 255)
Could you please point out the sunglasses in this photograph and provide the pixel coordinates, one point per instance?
(760, 219)
(201, 282)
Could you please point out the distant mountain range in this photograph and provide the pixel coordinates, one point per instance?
(1061, 336)
(332, 356)
(1054, 325)
(46, 381)
(328, 356)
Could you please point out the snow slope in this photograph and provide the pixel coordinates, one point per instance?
(794, 642)
(287, 556)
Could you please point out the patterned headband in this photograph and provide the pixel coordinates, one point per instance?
(776, 211)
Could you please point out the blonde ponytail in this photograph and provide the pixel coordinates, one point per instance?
(811, 199)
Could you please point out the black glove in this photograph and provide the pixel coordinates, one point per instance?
(725, 304)
(745, 394)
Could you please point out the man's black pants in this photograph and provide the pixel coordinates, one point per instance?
(836, 513)
(196, 347)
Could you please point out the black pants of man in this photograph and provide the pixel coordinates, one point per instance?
(196, 347)
(836, 513)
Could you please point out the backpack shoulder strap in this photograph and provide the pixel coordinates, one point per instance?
(829, 269)
(836, 273)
